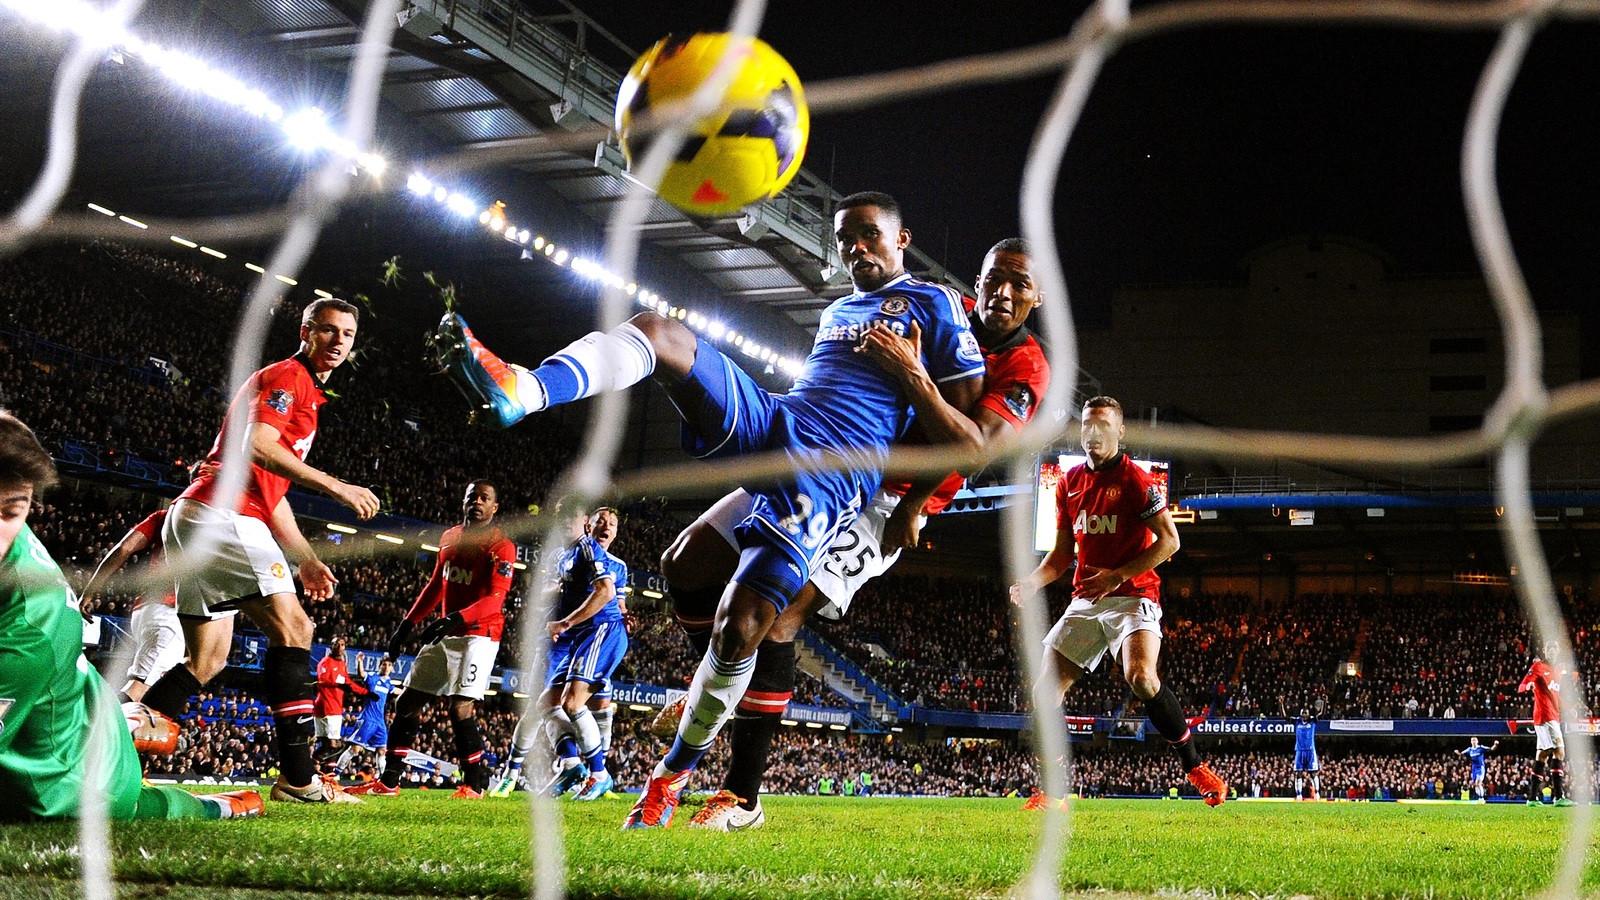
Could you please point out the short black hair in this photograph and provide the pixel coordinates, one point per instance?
(23, 460)
(485, 482)
(322, 303)
(606, 509)
(871, 198)
(1011, 245)
(1103, 402)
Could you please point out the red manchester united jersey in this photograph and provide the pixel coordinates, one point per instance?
(1016, 375)
(286, 396)
(1541, 679)
(472, 576)
(150, 527)
(1107, 510)
(333, 676)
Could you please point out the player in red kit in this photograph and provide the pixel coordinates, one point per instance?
(1112, 518)
(157, 636)
(1549, 745)
(471, 580)
(333, 679)
(246, 569)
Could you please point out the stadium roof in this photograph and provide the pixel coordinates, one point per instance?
(477, 75)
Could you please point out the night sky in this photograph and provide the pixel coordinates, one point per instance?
(1197, 147)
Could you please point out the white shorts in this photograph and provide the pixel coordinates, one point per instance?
(330, 727)
(1088, 628)
(1548, 736)
(454, 667)
(244, 561)
(157, 641)
(852, 561)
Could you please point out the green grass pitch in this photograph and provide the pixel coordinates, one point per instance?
(425, 844)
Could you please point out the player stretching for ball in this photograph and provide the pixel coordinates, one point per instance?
(1113, 518)
(1550, 746)
(276, 412)
(157, 637)
(50, 697)
(1017, 376)
(842, 409)
(1477, 757)
(471, 579)
(587, 641)
(371, 731)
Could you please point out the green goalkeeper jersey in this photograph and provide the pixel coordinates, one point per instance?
(47, 693)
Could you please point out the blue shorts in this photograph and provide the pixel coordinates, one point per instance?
(591, 655)
(1477, 775)
(793, 522)
(369, 734)
(1305, 761)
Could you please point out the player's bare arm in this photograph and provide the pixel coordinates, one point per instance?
(939, 407)
(271, 455)
(132, 544)
(603, 591)
(1055, 564)
(314, 573)
(1105, 581)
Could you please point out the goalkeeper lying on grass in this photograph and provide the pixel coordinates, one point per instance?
(50, 697)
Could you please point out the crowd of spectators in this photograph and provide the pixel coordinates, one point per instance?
(80, 328)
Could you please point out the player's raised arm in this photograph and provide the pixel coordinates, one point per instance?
(132, 544)
(268, 452)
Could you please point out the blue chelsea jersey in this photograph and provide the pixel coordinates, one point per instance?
(1476, 755)
(864, 404)
(582, 565)
(379, 687)
(1305, 737)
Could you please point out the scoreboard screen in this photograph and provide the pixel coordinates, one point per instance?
(1044, 496)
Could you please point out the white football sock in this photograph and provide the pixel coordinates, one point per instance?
(585, 731)
(718, 687)
(611, 361)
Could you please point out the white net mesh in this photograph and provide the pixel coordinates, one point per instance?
(1523, 409)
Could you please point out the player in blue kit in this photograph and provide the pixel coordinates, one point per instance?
(588, 638)
(1477, 757)
(842, 408)
(1305, 756)
(371, 731)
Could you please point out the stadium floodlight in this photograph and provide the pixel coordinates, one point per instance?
(255, 268)
(286, 280)
(375, 164)
(716, 329)
(461, 205)
(560, 257)
(217, 253)
(440, 195)
(538, 242)
(307, 129)
(522, 236)
(134, 222)
(511, 232)
(419, 184)
(184, 242)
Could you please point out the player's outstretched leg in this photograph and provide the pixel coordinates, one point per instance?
(162, 802)
(599, 361)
